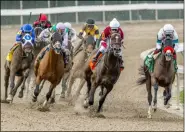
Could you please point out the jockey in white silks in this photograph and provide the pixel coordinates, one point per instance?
(166, 30)
(71, 32)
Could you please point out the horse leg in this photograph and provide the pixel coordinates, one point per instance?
(36, 90)
(101, 92)
(82, 82)
(12, 84)
(168, 96)
(19, 82)
(155, 97)
(26, 74)
(64, 85)
(86, 102)
(48, 95)
(6, 79)
(148, 87)
(102, 99)
(71, 81)
(52, 99)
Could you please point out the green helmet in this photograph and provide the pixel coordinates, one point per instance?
(90, 22)
(53, 28)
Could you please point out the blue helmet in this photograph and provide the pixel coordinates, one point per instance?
(27, 28)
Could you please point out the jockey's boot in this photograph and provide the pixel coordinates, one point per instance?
(121, 63)
(155, 52)
(66, 59)
(96, 57)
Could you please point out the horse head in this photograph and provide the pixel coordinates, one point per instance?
(38, 30)
(27, 44)
(56, 42)
(89, 44)
(115, 44)
(168, 49)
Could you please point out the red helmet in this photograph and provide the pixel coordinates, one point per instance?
(43, 17)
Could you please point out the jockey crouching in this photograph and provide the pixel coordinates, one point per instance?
(70, 31)
(60, 27)
(167, 31)
(26, 28)
(45, 35)
(114, 27)
(42, 22)
(90, 29)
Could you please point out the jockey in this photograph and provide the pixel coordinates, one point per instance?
(71, 32)
(113, 27)
(45, 35)
(166, 30)
(26, 28)
(42, 22)
(90, 29)
(60, 28)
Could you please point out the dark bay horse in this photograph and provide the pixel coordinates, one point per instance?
(163, 75)
(51, 67)
(20, 66)
(77, 70)
(106, 72)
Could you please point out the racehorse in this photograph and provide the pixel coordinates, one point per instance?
(77, 70)
(106, 72)
(51, 67)
(163, 75)
(20, 65)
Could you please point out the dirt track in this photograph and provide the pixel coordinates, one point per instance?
(125, 107)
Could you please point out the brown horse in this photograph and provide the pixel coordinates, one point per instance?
(77, 70)
(163, 75)
(20, 66)
(50, 68)
(106, 72)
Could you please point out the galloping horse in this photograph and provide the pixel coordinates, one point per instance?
(163, 75)
(106, 72)
(20, 65)
(50, 68)
(77, 69)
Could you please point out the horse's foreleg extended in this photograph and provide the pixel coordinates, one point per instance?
(155, 96)
(6, 79)
(148, 87)
(36, 91)
(12, 84)
(168, 95)
(48, 95)
(18, 83)
(102, 99)
(64, 84)
(25, 74)
(71, 81)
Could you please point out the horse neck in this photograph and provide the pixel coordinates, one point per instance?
(164, 63)
(110, 60)
(53, 58)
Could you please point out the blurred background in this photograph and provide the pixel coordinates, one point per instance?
(78, 17)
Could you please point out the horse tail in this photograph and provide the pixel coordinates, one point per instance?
(142, 79)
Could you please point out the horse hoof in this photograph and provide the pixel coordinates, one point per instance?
(62, 95)
(10, 98)
(4, 101)
(34, 99)
(155, 109)
(167, 106)
(149, 116)
(99, 115)
(52, 101)
(20, 95)
(43, 109)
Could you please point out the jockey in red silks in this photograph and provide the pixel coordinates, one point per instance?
(42, 22)
(114, 27)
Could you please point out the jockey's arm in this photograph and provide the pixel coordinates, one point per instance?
(82, 31)
(65, 42)
(97, 36)
(159, 39)
(19, 36)
(176, 41)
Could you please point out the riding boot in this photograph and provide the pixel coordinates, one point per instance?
(121, 63)
(66, 60)
(96, 57)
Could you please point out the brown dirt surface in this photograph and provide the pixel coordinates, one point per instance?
(125, 107)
